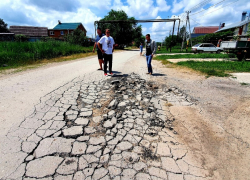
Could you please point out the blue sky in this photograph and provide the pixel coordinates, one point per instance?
(46, 13)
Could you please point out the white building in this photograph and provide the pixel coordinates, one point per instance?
(240, 28)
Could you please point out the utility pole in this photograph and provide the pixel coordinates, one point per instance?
(185, 32)
(189, 30)
(168, 37)
(178, 33)
(172, 37)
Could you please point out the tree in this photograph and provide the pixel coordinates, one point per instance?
(123, 33)
(248, 32)
(172, 41)
(138, 37)
(77, 37)
(3, 27)
(182, 32)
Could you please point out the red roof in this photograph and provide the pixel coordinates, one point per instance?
(205, 30)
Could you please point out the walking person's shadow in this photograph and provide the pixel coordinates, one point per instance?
(158, 74)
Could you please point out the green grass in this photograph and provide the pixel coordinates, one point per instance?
(244, 84)
(16, 54)
(217, 68)
(175, 49)
(187, 56)
(131, 47)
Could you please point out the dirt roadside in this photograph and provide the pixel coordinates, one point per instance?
(216, 129)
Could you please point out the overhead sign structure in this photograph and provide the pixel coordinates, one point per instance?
(96, 23)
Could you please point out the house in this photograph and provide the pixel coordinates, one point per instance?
(62, 29)
(239, 28)
(33, 33)
(200, 31)
(7, 36)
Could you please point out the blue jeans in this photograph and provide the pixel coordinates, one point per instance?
(149, 59)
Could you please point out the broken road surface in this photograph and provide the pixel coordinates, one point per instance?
(91, 127)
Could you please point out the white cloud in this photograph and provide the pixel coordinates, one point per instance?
(215, 15)
(141, 9)
(162, 4)
(21, 13)
(177, 6)
(159, 30)
(100, 4)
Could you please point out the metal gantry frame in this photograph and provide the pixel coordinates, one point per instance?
(96, 24)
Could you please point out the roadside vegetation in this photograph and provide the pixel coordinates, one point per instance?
(209, 68)
(15, 54)
(217, 68)
(175, 49)
(188, 56)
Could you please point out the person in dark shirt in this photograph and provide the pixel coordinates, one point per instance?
(150, 51)
(99, 52)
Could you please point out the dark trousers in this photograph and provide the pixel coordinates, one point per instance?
(108, 59)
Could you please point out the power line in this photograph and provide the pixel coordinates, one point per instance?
(208, 8)
(194, 21)
(200, 4)
(219, 8)
(183, 15)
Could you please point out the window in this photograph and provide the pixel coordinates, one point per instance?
(211, 45)
(197, 45)
(62, 33)
(52, 33)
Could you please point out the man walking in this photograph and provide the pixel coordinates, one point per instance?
(141, 49)
(150, 51)
(108, 45)
(99, 52)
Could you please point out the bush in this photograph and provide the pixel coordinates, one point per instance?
(21, 38)
(214, 37)
(173, 41)
(77, 37)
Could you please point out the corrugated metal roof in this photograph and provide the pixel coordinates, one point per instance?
(67, 26)
(29, 30)
(205, 30)
(235, 25)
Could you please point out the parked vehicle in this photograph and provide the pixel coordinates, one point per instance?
(240, 48)
(206, 47)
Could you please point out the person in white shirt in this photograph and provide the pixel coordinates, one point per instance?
(108, 45)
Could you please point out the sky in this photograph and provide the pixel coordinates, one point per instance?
(46, 13)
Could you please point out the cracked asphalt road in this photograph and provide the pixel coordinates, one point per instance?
(68, 121)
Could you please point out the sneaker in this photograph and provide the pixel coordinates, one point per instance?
(105, 74)
(111, 74)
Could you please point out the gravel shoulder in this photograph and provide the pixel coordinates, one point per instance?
(217, 128)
